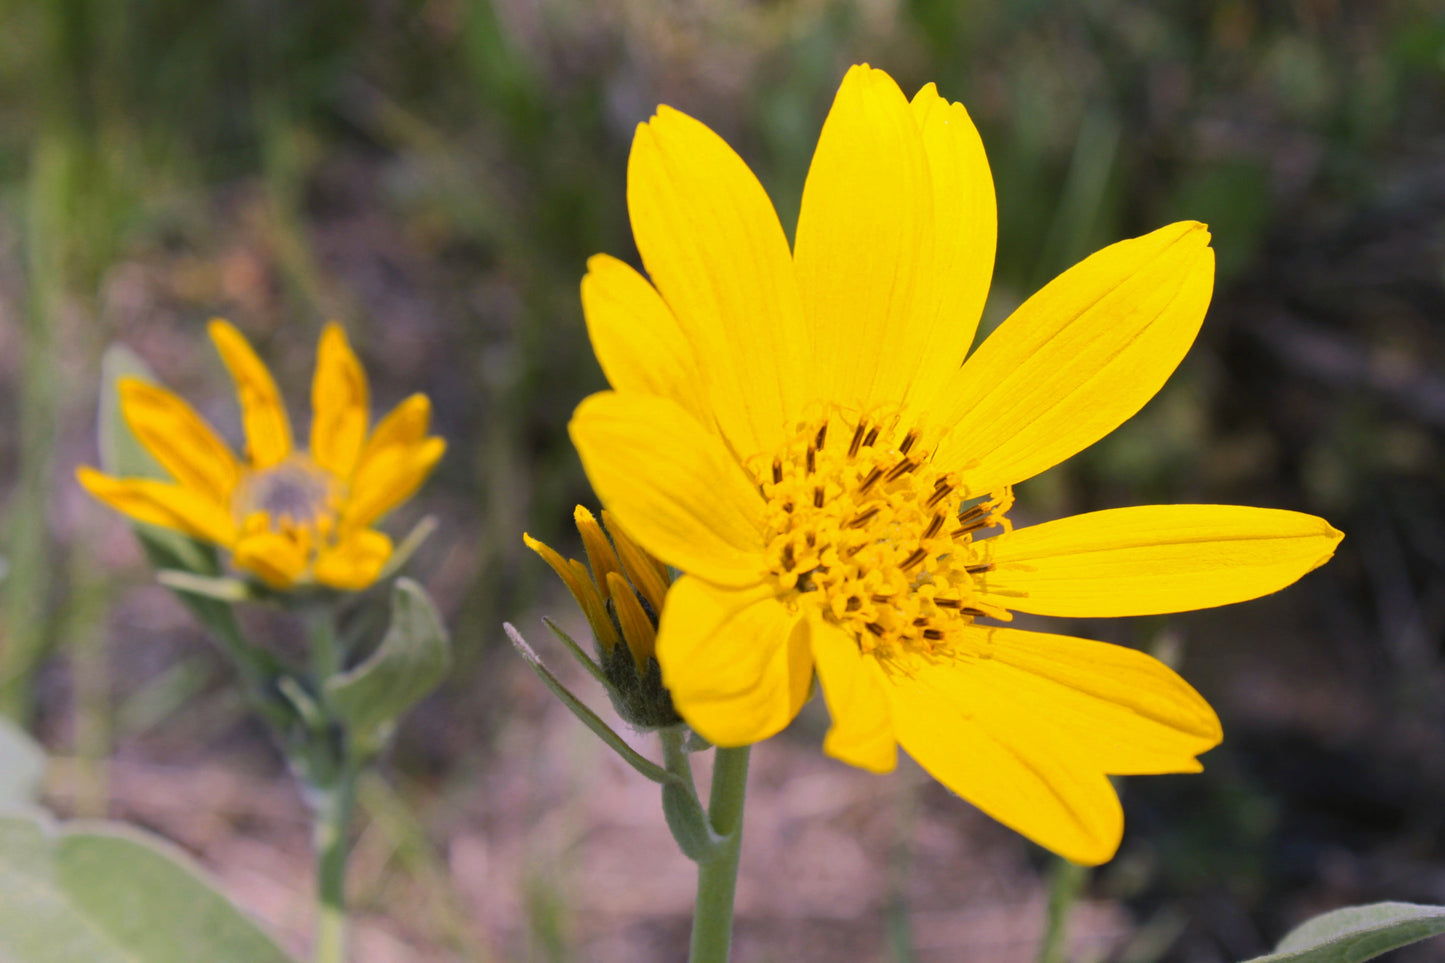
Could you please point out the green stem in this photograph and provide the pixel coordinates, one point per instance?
(717, 878)
(331, 764)
(1065, 882)
(332, 812)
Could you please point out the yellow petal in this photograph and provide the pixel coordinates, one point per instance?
(387, 478)
(179, 439)
(396, 459)
(574, 576)
(1076, 359)
(732, 660)
(865, 245)
(1022, 778)
(855, 690)
(712, 244)
(1105, 707)
(637, 628)
(159, 503)
(278, 558)
(645, 573)
(965, 235)
(268, 430)
(674, 486)
(340, 404)
(638, 342)
(404, 426)
(599, 550)
(355, 562)
(1154, 558)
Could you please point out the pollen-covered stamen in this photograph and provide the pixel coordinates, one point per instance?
(874, 537)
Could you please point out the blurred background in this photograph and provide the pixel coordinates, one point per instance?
(434, 173)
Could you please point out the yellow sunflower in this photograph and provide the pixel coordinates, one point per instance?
(799, 431)
(292, 518)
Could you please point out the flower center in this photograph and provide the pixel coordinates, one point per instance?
(863, 527)
(297, 493)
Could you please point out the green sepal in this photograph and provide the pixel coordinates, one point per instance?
(578, 653)
(221, 588)
(105, 893)
(638, 697)
(589, 718)
(407, 547)
(410, 662)
(1358, 933)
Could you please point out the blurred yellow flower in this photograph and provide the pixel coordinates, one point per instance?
(798, 431)
(290, 517)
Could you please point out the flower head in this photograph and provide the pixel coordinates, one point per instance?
(621, 597)
(290, 517)
(804, 433)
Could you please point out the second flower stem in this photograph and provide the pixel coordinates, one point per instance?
(333, 808)
(717, 878)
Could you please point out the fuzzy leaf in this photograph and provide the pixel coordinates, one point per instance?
(410, 662)
(22, 764)
(1358, 933)
(107, 894)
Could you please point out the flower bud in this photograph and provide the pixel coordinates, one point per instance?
(620, 591)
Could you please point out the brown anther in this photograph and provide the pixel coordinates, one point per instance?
(818, 496)
(812, 459)
(948, 603)
(902, 468)
(976, 613)
(875, 628)
(811, 538)
(822, 434)
(882, 599)
(862, 518)
(870, 480)
(777, 471)
(933, 526)
(854, 550)
(871, 437)
(909, 440)
(921, 621)
(854, 604)
(912, 561)
(978, 569)
(972, 526)
(788, 557)
(933, 634)
(940, 492)
(857, 441)
(977, 511)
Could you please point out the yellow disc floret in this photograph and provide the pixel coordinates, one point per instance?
(864, 528)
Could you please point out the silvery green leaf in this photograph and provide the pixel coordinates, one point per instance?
(1358, 933)
(410, 662)
(22, 764)
(103, 893)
